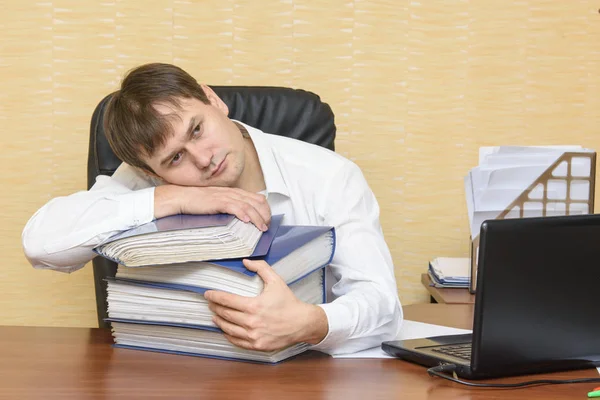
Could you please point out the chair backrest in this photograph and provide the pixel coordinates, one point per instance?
(282, 111)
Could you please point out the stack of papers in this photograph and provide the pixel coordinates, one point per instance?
(156, 302)
(514, 182)
(182, 238)
(449, 272)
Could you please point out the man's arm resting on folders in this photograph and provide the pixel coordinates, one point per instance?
(248, 207)
(62, 234)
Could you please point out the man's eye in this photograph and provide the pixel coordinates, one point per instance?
(176, 158)
(197, 130)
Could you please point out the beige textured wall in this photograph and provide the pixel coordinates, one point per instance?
(417, 87)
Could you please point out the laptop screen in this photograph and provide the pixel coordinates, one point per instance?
(535, 303)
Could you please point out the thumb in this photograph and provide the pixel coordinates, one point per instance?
(264, 270)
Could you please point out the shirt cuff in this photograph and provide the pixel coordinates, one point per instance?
(140, 207)
(338, 317)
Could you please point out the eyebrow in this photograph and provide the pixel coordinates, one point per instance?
(189, 134)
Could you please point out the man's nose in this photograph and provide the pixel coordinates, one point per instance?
(202, 157)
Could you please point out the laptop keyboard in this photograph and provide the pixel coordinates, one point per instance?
(462, 350)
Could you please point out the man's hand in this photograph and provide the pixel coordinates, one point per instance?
(246, 206)
(271, 321)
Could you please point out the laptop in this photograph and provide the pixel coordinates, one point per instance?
(536, 305)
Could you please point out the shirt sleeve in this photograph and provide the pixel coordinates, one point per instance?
(366, 310)
(62, 233)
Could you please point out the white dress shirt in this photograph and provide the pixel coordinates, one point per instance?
(308, 184)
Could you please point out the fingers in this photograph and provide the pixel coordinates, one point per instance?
(242, 337)
(228, 314)
(231, 329)
(257, 201)
(248, 207)
(239, 342)
(229, 300)
(263, 208)
(264, 270)
(247, 213)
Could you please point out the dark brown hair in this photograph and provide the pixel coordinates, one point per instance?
(132, 125)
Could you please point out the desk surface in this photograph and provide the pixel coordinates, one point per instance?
(69, 363)
(447, 295)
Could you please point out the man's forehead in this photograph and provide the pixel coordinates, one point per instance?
(166, 108)
(176, 113)
(177, 106)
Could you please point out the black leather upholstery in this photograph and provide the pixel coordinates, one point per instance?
(282, 111)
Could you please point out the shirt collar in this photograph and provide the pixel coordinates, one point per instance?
(274, 181)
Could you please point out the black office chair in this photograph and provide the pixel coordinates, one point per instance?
(282, 111)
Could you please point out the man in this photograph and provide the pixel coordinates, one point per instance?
(182, 154)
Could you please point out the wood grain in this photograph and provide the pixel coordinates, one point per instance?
(79, 363)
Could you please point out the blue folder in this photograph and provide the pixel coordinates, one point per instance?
(287, 239)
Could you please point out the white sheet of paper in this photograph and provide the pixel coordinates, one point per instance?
(410, 330)
(517, 150)
(504, 172)
(451, 267)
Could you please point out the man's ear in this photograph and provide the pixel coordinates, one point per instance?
(215, 100)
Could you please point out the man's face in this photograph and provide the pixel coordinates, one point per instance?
(206, 149)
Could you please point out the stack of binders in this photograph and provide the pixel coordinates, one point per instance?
(158, 304)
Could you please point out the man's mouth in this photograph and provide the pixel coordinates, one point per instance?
(219, 168)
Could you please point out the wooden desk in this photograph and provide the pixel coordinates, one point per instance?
(447, 295)
(76, 363)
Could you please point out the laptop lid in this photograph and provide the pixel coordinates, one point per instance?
(535, 302)
(535, 307)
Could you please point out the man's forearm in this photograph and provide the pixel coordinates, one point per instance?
(62, 233)
(167, 200)
(248, 207)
